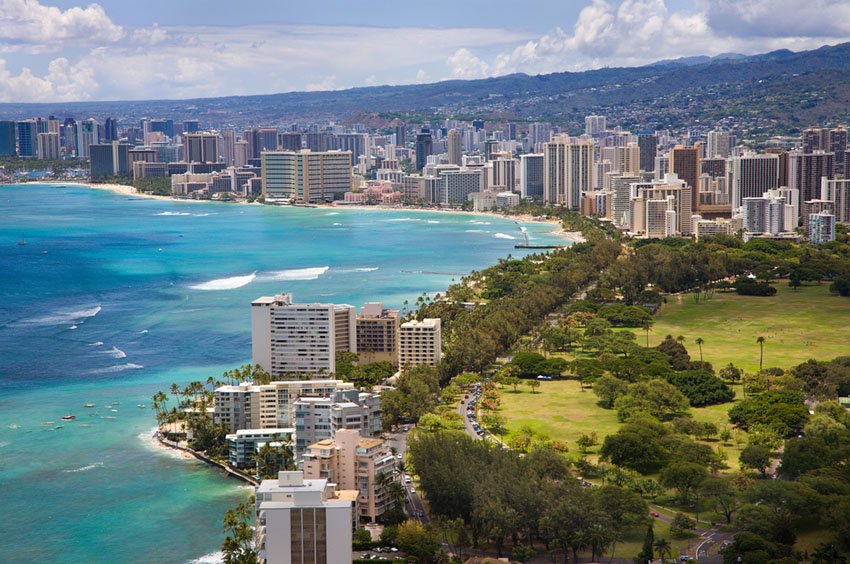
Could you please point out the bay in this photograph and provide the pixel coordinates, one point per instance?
(105, 299)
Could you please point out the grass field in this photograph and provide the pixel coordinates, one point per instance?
(798, 325)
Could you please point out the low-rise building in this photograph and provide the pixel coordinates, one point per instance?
(318, 418)
(244, 443)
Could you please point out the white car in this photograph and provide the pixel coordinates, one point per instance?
(412, 490)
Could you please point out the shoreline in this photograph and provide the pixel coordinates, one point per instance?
(126, 190)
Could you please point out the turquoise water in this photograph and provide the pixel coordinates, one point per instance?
(112, 298)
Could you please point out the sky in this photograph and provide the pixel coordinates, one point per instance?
(67, 50)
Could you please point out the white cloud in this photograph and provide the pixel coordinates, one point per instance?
(463, 64)
(62, 82)
(637, 32)
(29, 23)
(772, 18)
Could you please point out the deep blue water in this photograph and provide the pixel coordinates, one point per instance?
(112, 298)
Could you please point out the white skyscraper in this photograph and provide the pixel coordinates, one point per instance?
(718, 144)
(289, 339)
(594, 125)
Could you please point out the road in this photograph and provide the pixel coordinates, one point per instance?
(413, 505)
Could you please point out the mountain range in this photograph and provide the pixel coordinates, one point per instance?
(765, 94)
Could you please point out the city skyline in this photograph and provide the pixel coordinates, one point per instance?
(66, 50)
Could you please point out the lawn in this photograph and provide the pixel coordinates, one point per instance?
(798, 325)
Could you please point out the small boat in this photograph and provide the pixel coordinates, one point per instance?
(141, 405)
(68, 417)
(89, 405)
(59, 426)
(114, 411)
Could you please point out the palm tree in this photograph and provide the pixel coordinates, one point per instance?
(760, 340)
(646, 326)
(664, 549)
(699, 341)
(680, 338)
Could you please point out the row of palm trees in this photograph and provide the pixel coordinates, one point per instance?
(760, 340)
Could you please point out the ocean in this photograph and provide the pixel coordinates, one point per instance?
(106, 299)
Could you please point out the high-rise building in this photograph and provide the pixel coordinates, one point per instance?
(201, 148)
(628, 158)
(718, 144)
(358, 463)
(377, 333)
(420, 342)
(108, 160)
(457, 185)
(48, 146)
(567, 171)
(227, 143)
(594, 125)
(821, 228)
(648, 145)
(751, 175)
(622, 190)
(538, 133)
(714, 167)
(318, 418)
(297, 339)
(531, 175)
(303, 521)
(805, 171)
(401, 135)
(110, 129)
(86, 135)
(838, 147)
(662, 206)
(306, 177)
(8, 139)
(453, 146)
(838, 192)
(191, 126)
(27, 138)
(424, 148)
(684, 163)
(289, 141)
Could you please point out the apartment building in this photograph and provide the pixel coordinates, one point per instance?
(354, 462)
(377, 330)
(420, 342)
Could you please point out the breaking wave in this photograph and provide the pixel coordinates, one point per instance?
(226, 283)
(65, 317)
(115, 352)
(117, 368)
(295, 274)
(503, 236)
(84, 468)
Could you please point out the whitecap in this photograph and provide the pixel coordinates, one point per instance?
(337, 224)
(503, 236)
(226, 283)
(363, 269)
(295, 274)
(476, 222)
(211, 558)
(65, 317)
(96, 344)
(4, 444)
(115, 352)
(403, 219)
(332, 213)
(143, 332)
(433, 221)
(72, 327)
(168, 213)
(117, 368)
(14, 426)
(473, 231)
(84, 468)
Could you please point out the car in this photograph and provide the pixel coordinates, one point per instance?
(685, 558)
(545, 378)
(393, 549)
(421, 514)
(407, 479)
(654, 514)
(399, 456)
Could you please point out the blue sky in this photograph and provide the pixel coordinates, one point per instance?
(54, 50)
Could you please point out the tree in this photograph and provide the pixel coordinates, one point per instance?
(684, 477)
(415, 540)
(699, 341)
(657, 398)
(608, 389)
(238, 546)
(731, 373)
(722, 494)
(760, 340)
(585, 442)
(534, 385)
(272, 459)
(664, 549)
(647, 554)
(756, 457)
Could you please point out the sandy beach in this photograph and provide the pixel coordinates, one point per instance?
(126, 190)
